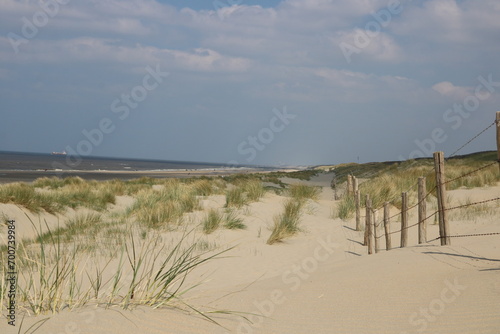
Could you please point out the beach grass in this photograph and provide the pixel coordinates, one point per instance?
(287, 223)
(303, 192)
(55, 274)
(345, 208)
(214, 219)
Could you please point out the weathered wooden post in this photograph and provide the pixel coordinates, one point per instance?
(354, 185)
(349, 185)
(357, 199)
(497, 121)
(404, 220)
(368, 228)
(387, 227)
(422, 211)
(334, 187)
(441, 198)
(374, 223)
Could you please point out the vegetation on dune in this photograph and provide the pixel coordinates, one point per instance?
(155, 208)
(302, 192)
(214, 219)
(68, 266)
(243, 192)
(286, 224)
(384, 182)
(55, 275)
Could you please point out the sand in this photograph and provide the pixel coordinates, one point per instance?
(323, 281)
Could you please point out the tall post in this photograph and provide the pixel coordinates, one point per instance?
(404, 220)
(441, 197)
(387, 227)
(349, 185)
(422, 211)
(497, 121)
(368, 230)
(354, 185)
(374, 224)
(357, 199)
(334, 187)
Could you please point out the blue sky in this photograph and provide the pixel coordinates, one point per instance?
(291, 82)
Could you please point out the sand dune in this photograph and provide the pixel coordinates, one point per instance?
(323, 281)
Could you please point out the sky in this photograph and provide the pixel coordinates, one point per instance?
(265, 82)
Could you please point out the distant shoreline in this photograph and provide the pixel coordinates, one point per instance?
(27, 167)
(9, 176)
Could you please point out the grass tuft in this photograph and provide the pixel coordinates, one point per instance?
(302, 192)
(286, 224)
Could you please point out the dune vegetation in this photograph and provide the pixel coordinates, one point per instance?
(384, 182)
(139, 255)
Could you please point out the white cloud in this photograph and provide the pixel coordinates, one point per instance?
(446, 88)
(88, 49)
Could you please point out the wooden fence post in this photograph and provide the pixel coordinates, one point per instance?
(387, 227)
(404, 219)
(354, 185)
(349, 185)
(334, 186)
(497, 120)
(374, 224)
(357, 199)
(422, 211)
(368, 228)
(441, 197)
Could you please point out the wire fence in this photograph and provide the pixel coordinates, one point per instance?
(440, 211)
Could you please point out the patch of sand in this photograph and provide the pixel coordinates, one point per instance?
(322, 280)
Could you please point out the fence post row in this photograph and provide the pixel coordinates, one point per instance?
(422, 211)
(370, 235)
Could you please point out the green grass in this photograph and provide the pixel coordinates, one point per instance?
(345, 208)
(212, 221)
(303, 192)
(165, 207)
(287, 223)
(254, 190)
(25, 195)
(55, 275)
(232, 221)
(236, 197)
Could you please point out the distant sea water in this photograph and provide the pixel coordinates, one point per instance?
(29, 166)
(38, 161)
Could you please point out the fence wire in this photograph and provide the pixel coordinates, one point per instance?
(471, 140)
(470, 173)
(376, 225)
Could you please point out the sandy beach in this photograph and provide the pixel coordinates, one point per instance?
(319, 281)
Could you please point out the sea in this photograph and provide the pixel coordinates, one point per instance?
(16, 166)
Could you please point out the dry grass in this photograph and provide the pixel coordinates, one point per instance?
(286, 224)
(302, 192)
(244, 192)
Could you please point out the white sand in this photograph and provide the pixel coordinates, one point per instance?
(323, 281)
